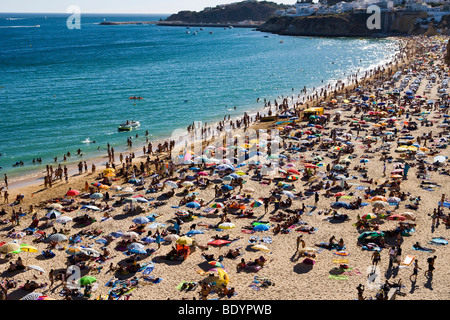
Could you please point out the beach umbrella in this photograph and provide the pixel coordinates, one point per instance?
(96, 195)
(216, 264)
(217, 205)
(56, 237)
(368, 216)
(409, 215)
(227, 187)
(338, 167)
(219, 243)
(109, 170)
(187, 184)
(130, 235)
(73, 251)
(37, 268)
(364, 161)
(294, 171)
(260, 247)
(396, 217)
(55, 206)
(136, 247)
(439, 159)
(184, 240)
(91, 252)
(181, 213)
(394, 200)
(194, 232)
(140, 220)
(256, 204)
(379, 204)
(261, 227)
(203, 173)
(17, 235)
(53, 214)
(87, 280)
(226, 225)
(193, 204)
(339, 194)
(72, 193)
(171, 184)
(373, 234)
(171, 238)
(63, 219)
(148, 240)
(156, 225)
(378, 198)
(288, 194)
(28, 248)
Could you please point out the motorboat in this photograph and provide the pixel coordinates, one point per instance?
(129, 125)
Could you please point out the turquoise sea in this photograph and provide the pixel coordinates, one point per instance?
(61, 86)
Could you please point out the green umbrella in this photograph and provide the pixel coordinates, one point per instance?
(87, 280)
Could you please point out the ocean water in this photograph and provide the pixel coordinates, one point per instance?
(59, 87)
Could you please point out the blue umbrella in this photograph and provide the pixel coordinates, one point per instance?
(193, 205)
(364, 160)
(141, 220)
(137, 248)
(227, 187)
(148, 240)
(340, 204)
(261, 227)
(194, 232)
(194, 169)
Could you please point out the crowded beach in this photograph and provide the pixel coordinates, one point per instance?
(337, 193)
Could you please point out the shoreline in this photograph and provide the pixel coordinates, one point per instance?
(33, 178)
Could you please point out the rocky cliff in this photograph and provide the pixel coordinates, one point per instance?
(347, 25)
(232, 13)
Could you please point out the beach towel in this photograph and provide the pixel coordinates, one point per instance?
(341, 253)
(267, 240)
(254, 287)
(248, 231)
(102, 241)
(153, 279)
(408, 260)
(340, 261)
(253, 239)
(148, 269)
(439, 241)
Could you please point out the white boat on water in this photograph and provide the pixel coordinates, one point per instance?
(129, 125)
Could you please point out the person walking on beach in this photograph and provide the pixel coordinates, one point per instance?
(431, 267)
(360, 289)
(415, 270)
(6, 196)
(51, 277)
(316, 198)
(300, 240)
(6, 181)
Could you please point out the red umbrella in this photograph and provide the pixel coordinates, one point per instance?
(72, 192)
(293, 171)
(396, 217)
(339, 194)
(218, 243)
(309, 165)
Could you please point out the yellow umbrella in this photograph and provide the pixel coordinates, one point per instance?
(109, 170)
(184, 240)
(223, 276)
(28, 248)
(110, 174)
(261, 247)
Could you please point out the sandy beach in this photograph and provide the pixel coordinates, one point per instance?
(351, 134)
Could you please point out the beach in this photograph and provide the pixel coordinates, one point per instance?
(351, 133)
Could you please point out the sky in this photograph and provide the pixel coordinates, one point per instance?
(113, 6)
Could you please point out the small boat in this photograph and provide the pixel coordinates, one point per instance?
(202, 29)
(136, 98)
(129, 125)
(188, 32)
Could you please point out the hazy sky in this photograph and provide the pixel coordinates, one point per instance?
(114, 6)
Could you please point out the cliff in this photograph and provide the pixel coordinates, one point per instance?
(347, 25)
(232, 13)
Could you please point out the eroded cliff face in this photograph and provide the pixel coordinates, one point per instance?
(256, 11)
(346, 25)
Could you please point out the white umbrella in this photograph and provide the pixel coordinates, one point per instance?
(171, 237)
(55, 206)
(38, 268)
(171, 184)
(439, 159)
(91, 252)
(63, 219)
(289, 194)
(130, 235)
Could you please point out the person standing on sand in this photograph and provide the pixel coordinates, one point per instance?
(431, 267)
(415, 270)
(6, 196)
(316, 198)
(6, 181)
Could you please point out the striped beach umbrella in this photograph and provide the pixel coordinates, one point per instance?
(227, 225)
(256, 204)
(56, 237)
(9, 247)
(217, 205)
(368, 216)
(73, 251)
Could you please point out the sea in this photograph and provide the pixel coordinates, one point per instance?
(61, 86)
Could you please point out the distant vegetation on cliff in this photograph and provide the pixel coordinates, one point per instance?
(232, 13)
